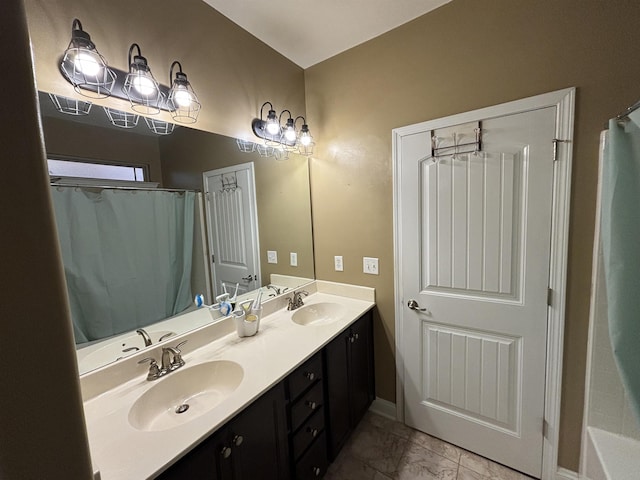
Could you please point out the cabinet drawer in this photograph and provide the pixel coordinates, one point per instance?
(306, 405)
(314, 463)
(310, 431)
(305, 376)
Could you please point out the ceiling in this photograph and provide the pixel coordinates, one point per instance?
(310, 31)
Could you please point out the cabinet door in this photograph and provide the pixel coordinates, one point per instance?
(361, 377)
(337, 388)
(199, 463)
(258, 438)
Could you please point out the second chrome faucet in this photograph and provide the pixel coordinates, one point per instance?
(171, 360)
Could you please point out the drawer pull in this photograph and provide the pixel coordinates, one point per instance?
(310, 375)
(311, 405)
(313, 431)
(226, 452)
(237, 440)
(316, 471)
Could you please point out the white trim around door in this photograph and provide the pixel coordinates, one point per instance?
(564, 101)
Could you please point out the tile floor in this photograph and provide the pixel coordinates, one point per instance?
(381, 449)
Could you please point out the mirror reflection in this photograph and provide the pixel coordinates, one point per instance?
(207, 219)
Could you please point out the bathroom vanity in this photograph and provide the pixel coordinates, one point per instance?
(278, 405)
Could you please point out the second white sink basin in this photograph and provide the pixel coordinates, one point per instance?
(318, 314)
(185, 394)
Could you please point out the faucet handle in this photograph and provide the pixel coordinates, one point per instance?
(177, 356)
(154, 369)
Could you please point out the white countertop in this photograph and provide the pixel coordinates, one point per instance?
(120, 451)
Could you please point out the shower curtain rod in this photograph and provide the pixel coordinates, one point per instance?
(120, 187)
(623, 115)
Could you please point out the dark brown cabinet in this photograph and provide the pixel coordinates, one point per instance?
(295, 429)
(251, 446)
(350, 385)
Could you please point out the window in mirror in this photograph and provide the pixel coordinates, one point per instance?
(103, 171)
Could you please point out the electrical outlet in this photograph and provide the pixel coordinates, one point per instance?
(272, 256)
(370, 265)
(337, 263)
(293, 259)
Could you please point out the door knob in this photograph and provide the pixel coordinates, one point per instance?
(248, 278)
(413, 305)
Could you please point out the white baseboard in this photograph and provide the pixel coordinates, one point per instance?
(564, 474)
(384, 408)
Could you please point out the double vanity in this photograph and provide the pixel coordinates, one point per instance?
(277, 405)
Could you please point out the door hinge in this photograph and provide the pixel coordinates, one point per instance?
(549, 296)
(213, 259)
(545, 428)
(555, 147)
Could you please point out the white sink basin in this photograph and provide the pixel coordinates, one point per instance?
(185, 394)
(317, 314)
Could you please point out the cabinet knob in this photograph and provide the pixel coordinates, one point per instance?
(226, 452)
(310, 375)
(311, 405)
(316, 471)
(351, 339)
(237, 440)
(313, 431)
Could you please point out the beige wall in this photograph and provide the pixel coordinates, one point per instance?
(465, 55)
(72, 139)
(282, 193)
(231, 71)
(43, 433)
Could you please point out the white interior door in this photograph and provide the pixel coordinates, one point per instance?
(232, 223)
(475, 242)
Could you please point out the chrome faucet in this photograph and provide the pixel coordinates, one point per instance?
(171, 360)
(145, 336)
(296, 300)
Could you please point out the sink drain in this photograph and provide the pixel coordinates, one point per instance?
(182, 408)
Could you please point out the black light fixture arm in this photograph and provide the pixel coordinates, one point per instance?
(136, 57)
(280, 117)
(80, 38)
(175, 62)
(304, 120)
(262, 107)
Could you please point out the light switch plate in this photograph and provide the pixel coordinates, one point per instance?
(293, 259)
(272, 256)
(337, 263)
(370, 265)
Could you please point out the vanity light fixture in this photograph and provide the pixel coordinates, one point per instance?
(120, 118)
(304, 140)
(283, 138)
(182, 100)
(70, 106)
(141, 88)
(84, 67)
(159, 127)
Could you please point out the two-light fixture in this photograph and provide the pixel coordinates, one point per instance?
(282, 136)
(87, 70)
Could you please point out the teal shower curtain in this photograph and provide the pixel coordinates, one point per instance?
(127, 256)
(620, 232)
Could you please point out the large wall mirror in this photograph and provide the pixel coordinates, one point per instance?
(178, 161)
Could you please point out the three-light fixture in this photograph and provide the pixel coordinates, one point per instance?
(283, 136)
(87, 70)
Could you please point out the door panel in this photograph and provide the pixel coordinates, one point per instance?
(479, 224)
(233, 228)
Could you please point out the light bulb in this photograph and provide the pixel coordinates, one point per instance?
(272, 127)
(182, 97)
(87, 64)
(305, 139)
(144, 85)
(290, 134)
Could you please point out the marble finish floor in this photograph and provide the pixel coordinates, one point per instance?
(381, 449)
